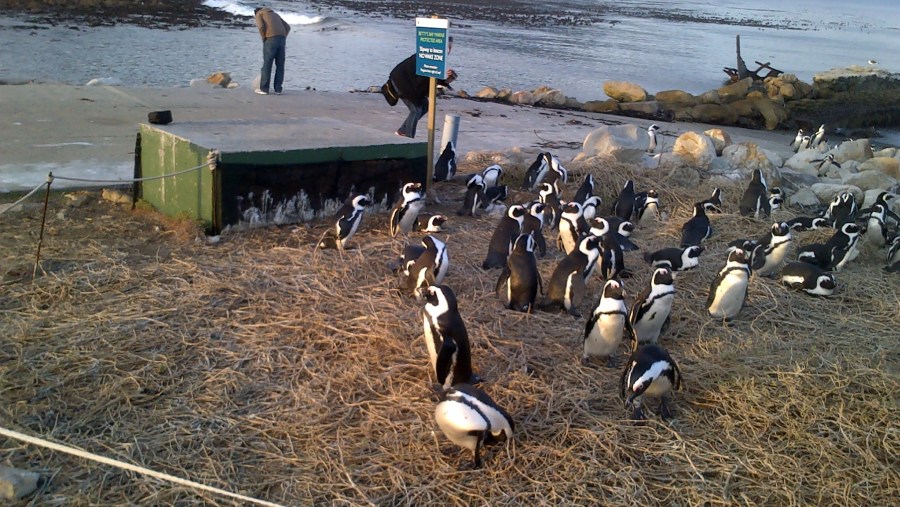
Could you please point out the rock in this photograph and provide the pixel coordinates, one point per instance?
(890, 151)
(623, 91)
(708, 113)
(16, 484)
(826, 191)
(803, 197)
(647, 107)
(793, 181)
(601, 106)
(676, 98)
(748, 157)
(487, 93)
(887, 165)
(683, 176)
(626, 143)
(735, 91)
(859, 150)
(523, 97)
(552, 98)
(720, 139)
(219, 79)
(755, 95)
(803, 162)
(868, 180)
(772, 114)
(710, 97)
(115, 196)
(504, 94)
(572, 103)
(788, 91)
(695, 150)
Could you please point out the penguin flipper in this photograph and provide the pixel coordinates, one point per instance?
(504, 278)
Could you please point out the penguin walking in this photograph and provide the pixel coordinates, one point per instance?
(585, 190)
(474, 198)
(536, 172)
(649, 208)
(808, 278)
(651, 133)
(675, 259)
(651, 310)
(728, 291)
(533, 224)
(508, 229)
(492, 175)
(776, 245)
(446, 337)
(445, 167)
(570, 229)
(755, 200)
(604, 330)
(800, 224)
(348, 220)
(714, 203)
(650, 371)
(623, 206)
(521, 276)
(430, 222)
(429, 267)
(696, 229)
(407, 208)
(469, 418)
(567, 283)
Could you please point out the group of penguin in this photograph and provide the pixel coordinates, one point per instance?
(590, 242)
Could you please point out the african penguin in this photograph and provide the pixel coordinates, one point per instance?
(492, 175)
(842, 210)
(835, 253)
(696, 229)
(446, 337)
(585, 190)
(567, 283)
(674, 258)
(521, 276)
(508, 229)
(622, 230)
(469, 418)
(823, 164)
(407, 208)
(548, 196)
(883, 199)
(557, 172)
(589, 207)
(607, 324)
(493, 196)
(428, 268)
(474, 197)
(808, 278)
(876, 232)
(445, 167)
(430, 222)
(650, 371)
(893, 251)
(798, 141)
(348, 220)
(651, 132)
(623, 206)
(569, 227)
(649, 208)
(535, 173)
(533, 224)
(800, 224)
(714, 203)
(818, 138)
(755, 200)
(728, 291)
(651, 310)
(776, 198)
(776, 244)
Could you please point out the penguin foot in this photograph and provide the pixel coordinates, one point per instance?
(664, 411)
(638, 414)
(612, 362)
(575, 313)
(586, 362)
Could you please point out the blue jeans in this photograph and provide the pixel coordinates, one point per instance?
(273, 51)
(416, 112)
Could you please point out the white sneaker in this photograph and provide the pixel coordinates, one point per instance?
(260, 92)
(277, 93)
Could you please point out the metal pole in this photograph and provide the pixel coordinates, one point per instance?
(37, 258)
(432, 99)
(449, 131)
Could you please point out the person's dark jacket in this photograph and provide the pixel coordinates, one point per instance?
(410, 85)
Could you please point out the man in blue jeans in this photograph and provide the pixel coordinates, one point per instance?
(413, 91)
(273, 31)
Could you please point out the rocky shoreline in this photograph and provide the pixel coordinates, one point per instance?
(159, 14)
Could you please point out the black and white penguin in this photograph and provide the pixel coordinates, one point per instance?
(798, 141)
(446, 337)
(612, 260)
(823, 164)
(622, 230)
(755, 200)
(804, 144)
(557, 172)
(650, 371)
(800, 224)
(696, 229)
(607, 324)
(728, 291)
(834, 254)
(494, 196)
(623, 206)
(430, 222)
(590, 206)
(776, 245)
(776, 198)
(651, 133)
(533, 224)
(884, 199)
(585, 190)
(474, 198)
(893, 250)
(674, 258)
(521, 276)
(714, 203)
(536, 172)
(649, 208)
(548, 196)
(570, 229)
(492, 175)
(651, 310)
(407, 208)
(818, 138)
(348, 220)
(445, 167)
(808, 278)
(469, 418)
(567, 283)
(508, 229)
(428, 268)
(842, 210)
(876, 232)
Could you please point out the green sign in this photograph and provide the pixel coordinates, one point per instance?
(431, 47)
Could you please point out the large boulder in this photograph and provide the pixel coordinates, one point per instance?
(522, 97)
(826, 191)
(869, 180)
(803, 197)
(720, 139)
(645, 108)
(488, 92)
(710, 97)
(708, 113)
(623, 91)
(601, 106)
(804, 161)
(676, 99)
(695, 150)
(772, 113)
(735, 91)
(748, 157)
(550, 98)
(887, 165)
(794, 181)
(859, 150)
(219, 79)
(626, 143)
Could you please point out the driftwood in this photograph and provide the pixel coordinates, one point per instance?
(741, 72)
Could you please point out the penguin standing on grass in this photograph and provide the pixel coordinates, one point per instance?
(536, 172)
(445, 167)
(348, 220)
(474, 198)
(714, 203)
(728, 291)
(653, 306)
(650, 371)
(429, 267)
(755, 200)
(533, 224)
(521, 276)
(570, 230)
(446, 337)
(776, 245)
(471, 419)
(508, 229)
(696, 229)
(603, 331)
(585, 190)
(406, 209)
(567, 283)
(548, 196)
(648, 208)
(623, 206)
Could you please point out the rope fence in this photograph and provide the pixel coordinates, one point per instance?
(24, 198)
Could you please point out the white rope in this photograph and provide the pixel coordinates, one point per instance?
(149, 178)
(26, 196)
(127, 466)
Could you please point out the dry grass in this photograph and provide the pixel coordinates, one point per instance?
(298, 376)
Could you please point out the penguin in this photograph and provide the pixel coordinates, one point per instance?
(548, 196)
(650, 371)
(492, 175)
(823, 163)
(805, 143)
(798, 141)
(746, 245)
(651, 310)
(776, 198)
(604, 330)
(474, 197)
(728, 291)
(521, 276)
(623, 206)
(622, 229)
(567, 283)
(755, 200)
(834, 253)
(883, 199)
(893, 268)
(675, 259)
(818, 138)
(493, 196)
(446, 337)
(800, 224)
(612, 261)
(776, 244)
(696, 229)
(533, 223)
(651, 132)
(649, 208)
(428, 268)
(585, 190)
(557, 172)
(469, 418)
(893, 253)
(570, 230)
(842, 210)
(714, 203)
(876, 232)
(589, 207)
(407, 208)
(348, 220)
(508, 229)
(536, 172)
(808, 278)
(445, 167)
(429, 222)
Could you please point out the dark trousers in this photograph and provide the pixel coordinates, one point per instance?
(273, 52)
(416, 112)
